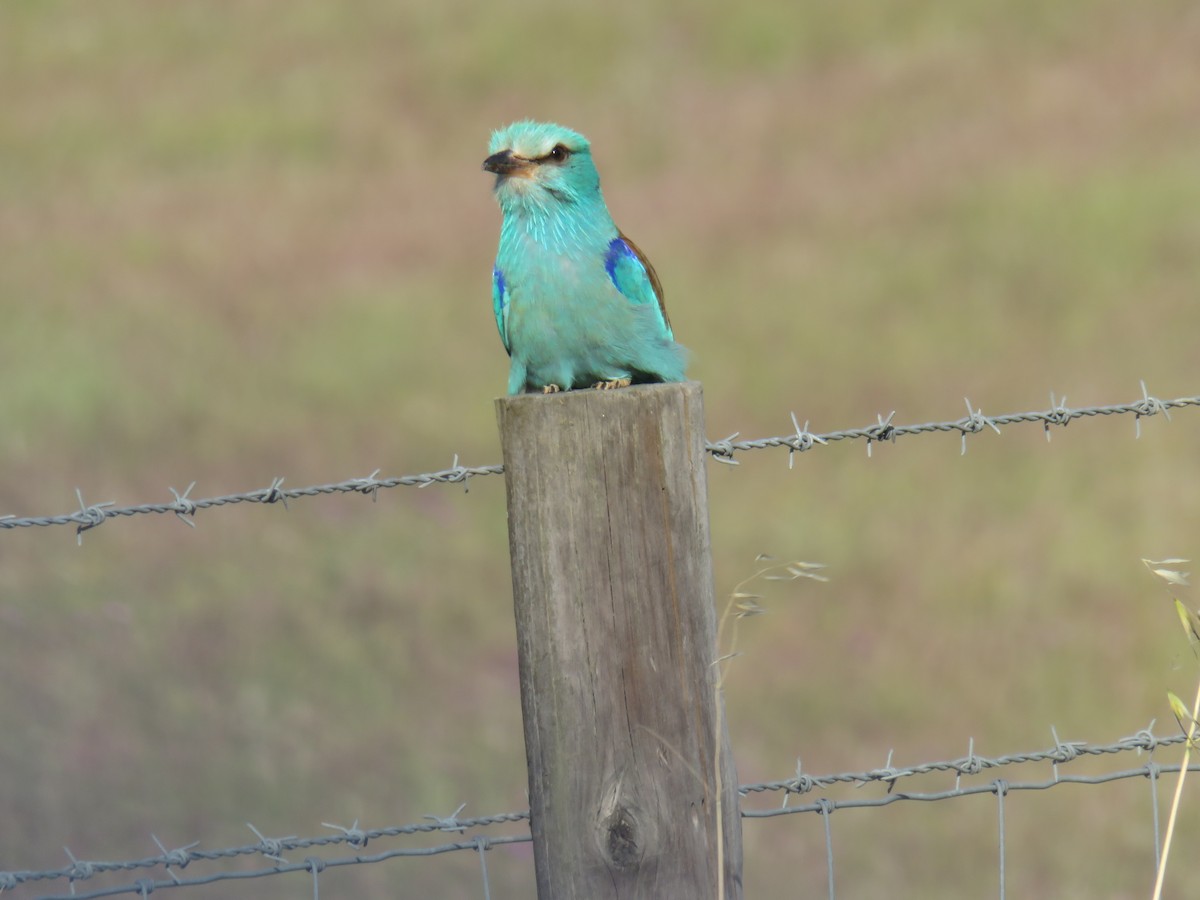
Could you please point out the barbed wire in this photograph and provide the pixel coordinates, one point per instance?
(273, 850)
(973, 423)
(971, 764)
(92, 515)
(999, 787)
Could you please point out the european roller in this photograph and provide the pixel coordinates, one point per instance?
(576, 302)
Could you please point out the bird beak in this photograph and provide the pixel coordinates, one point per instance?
(505, 163)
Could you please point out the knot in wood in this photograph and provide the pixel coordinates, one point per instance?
(623, 839)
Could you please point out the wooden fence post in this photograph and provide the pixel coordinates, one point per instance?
(631, 783)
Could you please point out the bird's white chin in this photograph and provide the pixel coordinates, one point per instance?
(517, 195)
(519, 185)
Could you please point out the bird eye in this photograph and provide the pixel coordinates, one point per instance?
(559, 153)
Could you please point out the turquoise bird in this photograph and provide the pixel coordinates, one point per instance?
(576, 302)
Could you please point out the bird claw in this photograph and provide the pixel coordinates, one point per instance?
(551, 389)
(615, 383)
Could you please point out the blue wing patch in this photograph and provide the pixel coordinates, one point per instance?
(500, 305)
(634, 277)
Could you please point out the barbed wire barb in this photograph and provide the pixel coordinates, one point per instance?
(1059, 415)
(368, 486)
(804, 440)
(185, 506)
(1151, 406)
(92, 516)
(881, 431)
(722, 451)
(1146, 738)
(975, 422)
(274, 494)
(450, 822)
(355, 837)
(272, 848)
(178, 856)
(80, 870)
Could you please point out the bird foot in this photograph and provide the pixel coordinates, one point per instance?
(551, 389)
(615, 383)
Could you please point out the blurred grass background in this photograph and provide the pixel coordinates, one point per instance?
(252, 239)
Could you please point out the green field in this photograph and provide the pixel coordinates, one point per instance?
(248, 240)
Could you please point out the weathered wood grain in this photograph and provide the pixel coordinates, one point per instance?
(613, 596)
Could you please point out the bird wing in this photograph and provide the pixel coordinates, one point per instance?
(500, 305)
(634, 277)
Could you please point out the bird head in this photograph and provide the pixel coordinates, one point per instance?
(541, 166)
